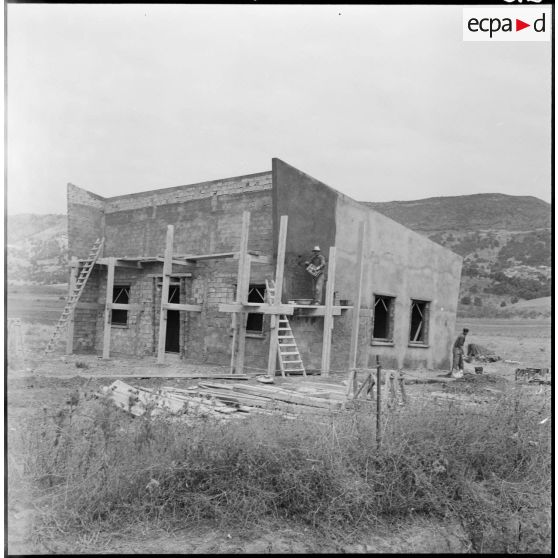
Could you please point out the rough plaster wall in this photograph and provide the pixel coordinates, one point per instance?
(400, 263)
(310, 206)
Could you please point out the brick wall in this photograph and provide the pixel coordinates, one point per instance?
(86, 319)
(85, 220)
(181, 194)
(207, 218)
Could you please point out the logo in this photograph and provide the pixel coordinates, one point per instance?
(507, 24)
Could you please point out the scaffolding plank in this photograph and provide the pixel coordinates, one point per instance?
(356, 308)
(167, 270)
(108, 311)
(279, 271)
(328, 315)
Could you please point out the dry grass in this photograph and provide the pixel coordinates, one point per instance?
(93, 468)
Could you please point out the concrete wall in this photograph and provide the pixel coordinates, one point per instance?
(398, 262)
(405, 265)
(310, 206)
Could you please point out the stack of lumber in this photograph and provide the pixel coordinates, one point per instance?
(231, 400)
(139, 401)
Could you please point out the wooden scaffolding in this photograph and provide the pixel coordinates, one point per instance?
(240, 308)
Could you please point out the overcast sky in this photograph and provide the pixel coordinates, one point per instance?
(380, 102)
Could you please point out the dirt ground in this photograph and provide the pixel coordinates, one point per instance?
(38, 383)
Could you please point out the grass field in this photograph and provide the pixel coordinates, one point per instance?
(468, 474)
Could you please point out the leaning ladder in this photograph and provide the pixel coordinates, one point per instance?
(287, 349)
(73, 297)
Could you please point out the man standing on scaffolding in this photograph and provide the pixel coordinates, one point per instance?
(315, 266)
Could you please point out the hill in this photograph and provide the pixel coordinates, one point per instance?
(469, 213)
(37, 248)
(505, 242)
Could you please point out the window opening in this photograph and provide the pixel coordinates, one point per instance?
(419, 321)
(120, 295)
(383, 317)
(254, 322)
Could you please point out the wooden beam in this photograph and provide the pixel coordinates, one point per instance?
(183, 307)
(178, 275)
(255, 308)
(318, 311)
(280, 267)
(167, 270)
(236, 320)
(71, 318)
(173, 261)
(119, 306)
(119, 263)
(110, 286)
(356, 306)
(243, 286)
(328, 316)
(198, 257)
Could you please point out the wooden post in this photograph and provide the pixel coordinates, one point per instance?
(167, 270)
(108, 311)
(243, 317)
(280, 267)
(241, 296)
(401, 380)
(357, 302)
(378, 402)
(328, 316)
(71, 317)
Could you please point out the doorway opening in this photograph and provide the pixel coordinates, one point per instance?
(172, 340)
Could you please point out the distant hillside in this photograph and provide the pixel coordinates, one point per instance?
(505, 242)
(469, 213)
(37, 248)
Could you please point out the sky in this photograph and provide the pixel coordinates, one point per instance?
(380, 102)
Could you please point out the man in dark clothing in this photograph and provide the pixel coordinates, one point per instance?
(458, 350)
(316, 266)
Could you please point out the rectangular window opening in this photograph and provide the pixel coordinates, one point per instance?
(420, 311)
(120, 295)
(254, 323)
(384, 307)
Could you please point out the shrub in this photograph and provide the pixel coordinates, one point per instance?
(466, 300)
(98, 466)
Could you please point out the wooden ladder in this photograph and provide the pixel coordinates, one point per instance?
(287, 349)
(73, 297)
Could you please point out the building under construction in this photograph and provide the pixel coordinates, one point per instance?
(214, 273)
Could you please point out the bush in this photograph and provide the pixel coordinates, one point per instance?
(98, 467)
(466, 300)
(503, 304)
